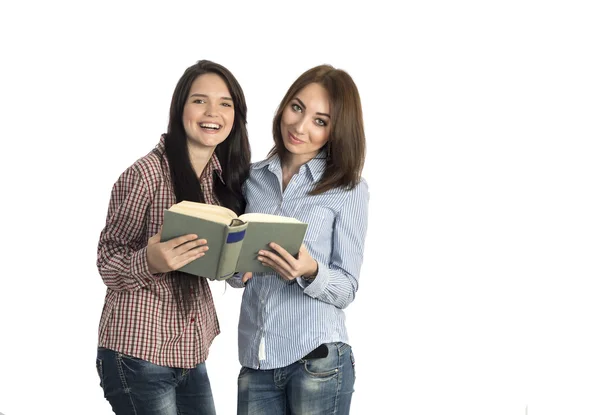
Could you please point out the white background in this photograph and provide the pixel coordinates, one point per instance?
(478, 293)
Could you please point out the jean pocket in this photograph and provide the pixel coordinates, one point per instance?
(243, 371)
(322, 367)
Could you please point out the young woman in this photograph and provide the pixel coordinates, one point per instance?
(293, 344)
(158, 323)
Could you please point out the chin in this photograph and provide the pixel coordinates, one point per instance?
(208, 141)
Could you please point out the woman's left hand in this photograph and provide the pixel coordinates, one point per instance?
(286, 265)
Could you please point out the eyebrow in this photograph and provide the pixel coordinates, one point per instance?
(304, 107)
(206, 96)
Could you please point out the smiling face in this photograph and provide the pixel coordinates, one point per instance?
(208, 114)
(306, 122)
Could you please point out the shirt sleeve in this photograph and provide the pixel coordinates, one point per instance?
(122, 261)
(337, 282)
(236, 280)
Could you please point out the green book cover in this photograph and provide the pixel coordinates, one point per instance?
(289, 235)
(233, 242)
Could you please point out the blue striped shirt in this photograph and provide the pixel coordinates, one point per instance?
(280, 322)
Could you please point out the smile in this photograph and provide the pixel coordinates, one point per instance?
(210, 126)
(294, 140)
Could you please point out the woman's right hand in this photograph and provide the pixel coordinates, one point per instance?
(174, 253)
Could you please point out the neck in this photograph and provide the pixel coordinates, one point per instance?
(199, 157)
(291, 163)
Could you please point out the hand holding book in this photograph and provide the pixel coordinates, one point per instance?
(287, 265)
(234, 240)
(173, 253)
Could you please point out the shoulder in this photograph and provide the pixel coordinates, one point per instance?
(360, 191)
(262, 164)
(150, 168)
(260, 168)
(147, 171)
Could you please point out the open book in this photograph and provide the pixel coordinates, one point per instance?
(233, 241)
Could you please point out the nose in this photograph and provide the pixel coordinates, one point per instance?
(301, 125)
(210, 110)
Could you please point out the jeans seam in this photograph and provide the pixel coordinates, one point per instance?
(124, 385)
(340, 378)
(100, 370)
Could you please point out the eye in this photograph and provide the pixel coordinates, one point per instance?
(320, 122)
(296, 108)
(226, 104)
(198, 101)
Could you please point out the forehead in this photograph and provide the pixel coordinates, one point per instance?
(315, 97)
(209, 83)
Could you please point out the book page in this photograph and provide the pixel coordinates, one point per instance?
(265, 217)
(202, 210)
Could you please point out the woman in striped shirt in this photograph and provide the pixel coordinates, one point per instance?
(158, 323)
(293, 343)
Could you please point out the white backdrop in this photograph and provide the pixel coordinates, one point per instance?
(479, 290)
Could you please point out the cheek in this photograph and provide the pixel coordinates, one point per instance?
(288, 117)
(187, 115)
(320, 137)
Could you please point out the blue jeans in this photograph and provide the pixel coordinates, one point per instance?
(320, 386)
(136, 387)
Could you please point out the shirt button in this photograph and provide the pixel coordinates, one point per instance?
(192, 320)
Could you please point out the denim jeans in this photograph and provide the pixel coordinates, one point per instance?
(321, 386)
(134, 386)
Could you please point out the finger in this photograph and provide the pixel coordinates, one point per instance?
(284, 254)
(246, 277)
(276, 259)
(190, 246)
(180, 240)
(186, 258)
(276, 267)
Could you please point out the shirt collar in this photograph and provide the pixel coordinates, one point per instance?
(214, 166)
(315, 166)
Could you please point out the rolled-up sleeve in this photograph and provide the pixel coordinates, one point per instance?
(122, 260)
(337, 282)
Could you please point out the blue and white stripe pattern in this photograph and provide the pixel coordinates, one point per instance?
(280, 322)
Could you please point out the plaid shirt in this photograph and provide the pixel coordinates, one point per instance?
(140, 316)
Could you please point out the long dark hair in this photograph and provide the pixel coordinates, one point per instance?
(346, 144)
(233, 154)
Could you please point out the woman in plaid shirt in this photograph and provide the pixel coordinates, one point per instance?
(158, 323)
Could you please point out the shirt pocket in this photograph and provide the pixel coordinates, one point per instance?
(319, 219)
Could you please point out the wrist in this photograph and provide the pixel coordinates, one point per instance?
(312, 274)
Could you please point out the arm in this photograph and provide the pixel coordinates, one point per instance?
(337, 282)
(122, 259)
(127, 259)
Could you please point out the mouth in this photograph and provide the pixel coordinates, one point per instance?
(293, 139)
(210, 127)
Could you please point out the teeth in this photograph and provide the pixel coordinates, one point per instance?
(210, 125)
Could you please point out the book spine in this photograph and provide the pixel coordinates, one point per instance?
(234, 239)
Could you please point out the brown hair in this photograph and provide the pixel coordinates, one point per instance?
(346, 144)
